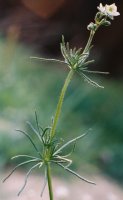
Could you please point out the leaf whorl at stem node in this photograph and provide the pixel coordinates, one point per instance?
(77, 60)
(52, 153)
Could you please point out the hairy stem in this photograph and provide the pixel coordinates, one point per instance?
(89, 41)
(60, 102)
(49, 181)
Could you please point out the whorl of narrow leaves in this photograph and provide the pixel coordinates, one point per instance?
(77, 60)
(55, 155)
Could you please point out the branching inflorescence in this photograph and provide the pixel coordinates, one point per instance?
(52, 148)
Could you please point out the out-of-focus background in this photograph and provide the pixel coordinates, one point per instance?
(34, 28)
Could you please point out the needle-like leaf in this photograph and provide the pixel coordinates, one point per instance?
(83, 65)
(45, 183)
(95, 84)
(38, 127)
(34, 130)
(23, 163)
(76, 174)
(70, 142)
(26, 178)
(31, 140)
(95, 72)
(27, 156)
(48, 59)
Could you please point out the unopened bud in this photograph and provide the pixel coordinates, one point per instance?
(92, 26)
(106, 23)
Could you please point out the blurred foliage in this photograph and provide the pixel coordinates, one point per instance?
(28, 85)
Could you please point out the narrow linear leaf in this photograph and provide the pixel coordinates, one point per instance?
(45, 131)
(26, 178)
(38, 127)
(85, 64)
(48, 59)
(23, 163)
(45, 183)
(77, 175)
(95, 72)
(34, 130)
(27, 156)
(71, 141)
(95, 84)
(31, 140)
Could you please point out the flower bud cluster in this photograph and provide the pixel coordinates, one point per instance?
(106, 13)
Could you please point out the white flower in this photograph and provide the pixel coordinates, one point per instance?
(102, 8)
(111, 10)
(108, 10)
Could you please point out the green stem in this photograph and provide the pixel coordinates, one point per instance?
(89, 41)
(60, 102)
(49, 181)
(92, 33)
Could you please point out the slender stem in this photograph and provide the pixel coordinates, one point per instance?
(89, 41)
(49, 181)
(60, 102)
(92, 33)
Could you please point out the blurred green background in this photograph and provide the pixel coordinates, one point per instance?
(28, 85)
